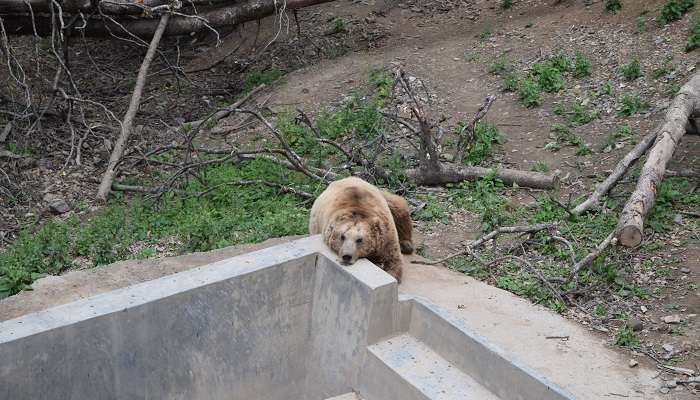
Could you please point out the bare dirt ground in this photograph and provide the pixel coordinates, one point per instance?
(451, 46)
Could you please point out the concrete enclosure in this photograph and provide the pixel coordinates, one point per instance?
(286, 322)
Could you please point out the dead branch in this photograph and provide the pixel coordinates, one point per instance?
(466, 134)
(685, 105)
(595, 253)
(469, 247)
(224, 112)
(620, 169)
(127, 124)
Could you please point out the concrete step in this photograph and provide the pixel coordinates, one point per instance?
(428, 375)
(346, 396)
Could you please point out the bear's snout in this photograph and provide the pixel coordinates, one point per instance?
(347, 259)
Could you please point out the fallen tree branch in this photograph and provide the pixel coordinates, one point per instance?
(127, 124)
(620, 169)
(491, 235)
(590, 257)
(686, 104)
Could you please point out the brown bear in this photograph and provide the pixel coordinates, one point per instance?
(357, 220)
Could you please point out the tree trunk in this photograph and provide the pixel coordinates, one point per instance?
(686, 105)
(449, 173)
(229, 14)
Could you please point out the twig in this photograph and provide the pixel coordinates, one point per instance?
(496, 232)
(585, 261)
(466, 135)
(127, 125)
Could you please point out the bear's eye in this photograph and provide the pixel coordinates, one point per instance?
(342, 237)
(359, 240)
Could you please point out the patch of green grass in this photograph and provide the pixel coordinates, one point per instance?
(432, 211)
(613, 6)
(632, 104)
(529, 93)
(626, 337)
(486, 136)
(540, 166)
(486, 33)
(582, 66)
(506, 4)
(632, 70)
(621, 134)
(640, 24)
(693, 38)
(339, 26)
(601, 310)
(258, 78)
(549, 77)
(665, 69)
(576, 113)
(563, 135)
(673, 193)
(606, 89)
(560, 61)
(501, 66)
(510, 82)
(228, 216)
(382, 81)
(674, 10)
(485, 196)
(673, 89)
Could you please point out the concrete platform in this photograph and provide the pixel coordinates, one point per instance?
(288, 322)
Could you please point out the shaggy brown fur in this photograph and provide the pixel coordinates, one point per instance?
(357, 220)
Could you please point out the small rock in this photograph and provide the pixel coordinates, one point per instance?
(671, 384)
(672, 319)
(56, 204)
(685, 270)
(664, 390)
(635, 324)
(678, 219)
(668, 347)
(633, 363)
(644, 309)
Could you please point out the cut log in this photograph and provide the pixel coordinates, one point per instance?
(619, 171)
(685, 106)
(229, 14)
(450, 173)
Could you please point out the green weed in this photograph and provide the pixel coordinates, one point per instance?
(693, 38)
(606, 89)
(529, 93)
(501, 66)
(486, 136)
(640, 24)
(665, 69)
(549, 77)
(563, 135)
(613, 6)
(432, 211)
(674, 10)
(540, 166)
(626, 337)
(576, 113)
(258, 78)
(506, 4)
(631, 70)
(582, 66)
(510, 83)
(622, 134)
(632, 104)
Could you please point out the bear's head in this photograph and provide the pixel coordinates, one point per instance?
(352, 236)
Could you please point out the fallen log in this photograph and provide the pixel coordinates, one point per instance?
(685, 106)
(619, 171)
(228, 14)
(450, 173)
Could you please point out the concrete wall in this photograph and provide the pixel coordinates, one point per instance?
(238, 329)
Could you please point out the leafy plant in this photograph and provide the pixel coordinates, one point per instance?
(613, 6)
(606, 89)
(540, 166)
(621, 134)
(510, 83)
(500, 66)
(674, 10)
(626, 337)
(665, 69)
(632, 104)
(529, 93)
(506, 4)
(486, 135)
(548, 77)
(694, 38)
(582, 66)
(576, 113)
(631, 70)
